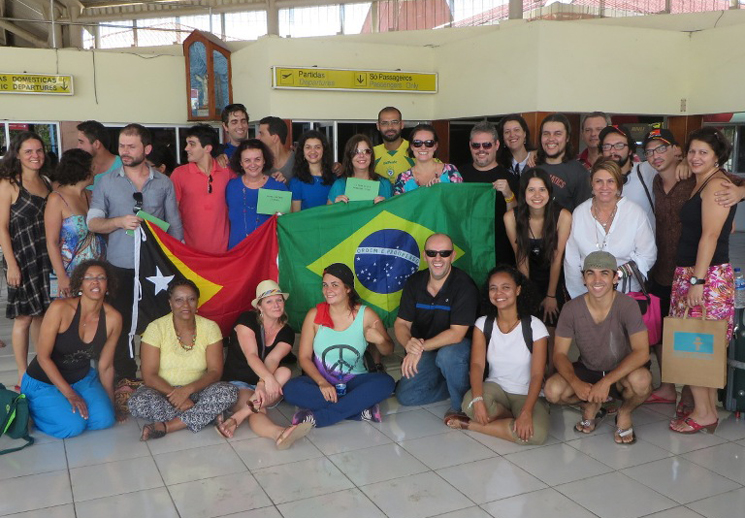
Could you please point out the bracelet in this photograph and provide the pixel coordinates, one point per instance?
(510, 199)
(478, 398)
(551, 296)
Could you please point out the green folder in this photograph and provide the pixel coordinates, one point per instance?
(271, 201)
(361, 190)
(163, 225)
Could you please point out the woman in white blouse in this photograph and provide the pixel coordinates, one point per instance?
(611, 223)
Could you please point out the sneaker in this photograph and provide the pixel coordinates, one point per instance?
(304, 416)
(372, 414)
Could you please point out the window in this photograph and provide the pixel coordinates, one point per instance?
(298, 22)
(245, 26)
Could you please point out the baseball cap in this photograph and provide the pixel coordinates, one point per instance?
(662, 134)
(600, 260)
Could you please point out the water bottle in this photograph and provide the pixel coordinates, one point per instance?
(739, 289)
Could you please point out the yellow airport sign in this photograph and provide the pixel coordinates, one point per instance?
(353, 80)
(35, 84)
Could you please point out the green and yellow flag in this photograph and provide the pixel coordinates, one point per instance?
(383, 243)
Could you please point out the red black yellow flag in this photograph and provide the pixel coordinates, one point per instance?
(227, 281)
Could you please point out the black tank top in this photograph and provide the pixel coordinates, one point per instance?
(692, 224)
(70, 354)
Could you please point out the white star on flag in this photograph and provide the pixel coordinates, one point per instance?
(160, 281)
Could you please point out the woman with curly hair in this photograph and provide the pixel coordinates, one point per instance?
(313, 171)
(65, 395)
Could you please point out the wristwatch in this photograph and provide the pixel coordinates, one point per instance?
(695, 280)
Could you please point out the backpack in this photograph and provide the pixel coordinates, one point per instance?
(14, 417)
(525, 323)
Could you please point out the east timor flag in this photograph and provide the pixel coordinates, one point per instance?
(382, 243)
(227, 281)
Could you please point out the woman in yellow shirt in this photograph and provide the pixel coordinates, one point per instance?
(182, 363)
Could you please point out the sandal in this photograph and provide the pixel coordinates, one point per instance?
(225, 429)
(683, 410)
(587, 426)
(622, 433)
(694, 427)
(654, 399)
(457, 421)
(149, 431)
(292, 433)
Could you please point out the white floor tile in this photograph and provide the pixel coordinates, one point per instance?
(615, 496)
(726, 505)
(725, 459)
(468, 512)
(563, 419)
(377, 464)
(539, 504)
(392, 406)
(264, 512)
(660, 435)
(347, 436)
(503, 447)
(153, 502)
(218, 496)
(305, 479)
(447, 449)
(557, 464)
(198, 463)
(350, 502)
(37, 458)
(262, 453)
(602, 446)
(675, 512)
(681, 480)
(114, 478)
(34, 492)
(416, 496)
(184, 440)
(731, 428)
(58, 511)
(490, 479)
(120, 442)
(411, 425)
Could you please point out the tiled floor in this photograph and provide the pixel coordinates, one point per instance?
(408, 466)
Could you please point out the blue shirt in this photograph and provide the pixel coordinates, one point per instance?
(229, 149)
(311, 194)
(385, 190)
(242, 203)
(114, 166)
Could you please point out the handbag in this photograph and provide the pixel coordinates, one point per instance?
(14, 418)
(649, 304)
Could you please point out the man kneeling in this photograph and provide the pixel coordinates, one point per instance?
(609, 332)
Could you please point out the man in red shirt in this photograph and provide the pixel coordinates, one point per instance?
(200, 192)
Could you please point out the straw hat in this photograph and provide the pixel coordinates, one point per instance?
(267, 289)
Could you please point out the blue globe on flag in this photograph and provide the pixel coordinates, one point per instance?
(385, 259)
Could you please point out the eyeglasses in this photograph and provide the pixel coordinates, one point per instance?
(209, 184)
(482, 145)
(617, 146)
(137, 196)
(658, 150)
(420, 143)
(385, 124)
(366, 151)
(99, 278)
(441, 253)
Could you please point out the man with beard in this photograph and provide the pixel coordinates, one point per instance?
(484, 144)
(93, 138)
(592, 124)
(392, 156)
(117, 198)
(616, 143)
(273, 132)
(438, 307)
(570, 179)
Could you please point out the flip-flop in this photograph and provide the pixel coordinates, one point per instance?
(584, 425)
(654, 399)
(224, 423)
(153, 432)
(622, 433)
(292, 433)
(695, 427)
(457, 421)
(683, 410)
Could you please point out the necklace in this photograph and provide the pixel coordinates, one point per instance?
(536, 248)
(184, 343)
(513, 326)
(607, 223)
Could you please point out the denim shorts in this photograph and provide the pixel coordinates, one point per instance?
(243, 385)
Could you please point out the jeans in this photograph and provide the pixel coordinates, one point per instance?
(441, 373)
(363, 391)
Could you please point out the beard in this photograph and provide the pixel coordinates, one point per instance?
(622, 161)
(391, 138)
(135, 161)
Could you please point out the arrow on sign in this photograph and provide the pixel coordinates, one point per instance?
(360, 79)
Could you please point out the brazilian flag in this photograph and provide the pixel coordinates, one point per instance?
(383, 243)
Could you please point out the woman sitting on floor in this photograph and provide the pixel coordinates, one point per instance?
(181, 357)
(505, 403)
(336, 384)
(65, 395)
(259, 342)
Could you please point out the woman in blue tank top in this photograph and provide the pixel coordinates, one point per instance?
(335, 334)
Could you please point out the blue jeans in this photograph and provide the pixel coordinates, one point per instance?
(442, 373)
(363, 391)
(52, 412)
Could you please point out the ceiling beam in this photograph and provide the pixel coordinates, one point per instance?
(24, 34)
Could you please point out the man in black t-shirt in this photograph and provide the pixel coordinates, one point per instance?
(438, 307)
(484, 143)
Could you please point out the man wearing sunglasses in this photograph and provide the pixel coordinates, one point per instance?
(617, 143)
(438, 307)
(117, 198)
(484, 144)
(200, 192)
(392, 156)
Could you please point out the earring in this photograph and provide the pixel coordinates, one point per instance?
(80, 293)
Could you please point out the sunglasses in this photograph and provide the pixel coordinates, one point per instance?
(420, 143)
(441, 253)
(366, 151)
(482, 145)
(209, 184)
(137, 196)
